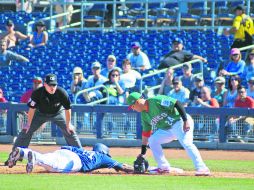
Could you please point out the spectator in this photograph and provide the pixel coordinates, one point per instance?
(6, 56)
(129, 76)
(179, 92)
(2, 98)
(3, 116)
(220, 90)
(114, 87)
(59, 8)
(28, 5)
(95, 80)
(166, 84)
(250, 90)
(249, 67)
(196, 92)
(111, 64)
(206, 100)
(138, 59)
(40, 36)
(242, 28)
(177, 55)
(78, 80)
(236, 67)
(11, 36)
(37, 83)
(187, 78)
(230, 96)
(243, 101)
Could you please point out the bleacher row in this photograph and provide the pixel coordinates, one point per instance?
(20, 19)
(193, 13)
(64, 51)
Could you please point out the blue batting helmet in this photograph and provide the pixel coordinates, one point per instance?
(102, 148)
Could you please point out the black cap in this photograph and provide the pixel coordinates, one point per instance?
(51, 79)
(240, 7)
(40, 23)
(9, 23)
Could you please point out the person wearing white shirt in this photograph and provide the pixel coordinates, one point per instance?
(129, 76)
(94, 80)
(139, 60)
(179, 92)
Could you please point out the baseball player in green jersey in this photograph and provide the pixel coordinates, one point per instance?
(168, 116)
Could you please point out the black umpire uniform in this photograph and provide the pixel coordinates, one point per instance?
(47, 106)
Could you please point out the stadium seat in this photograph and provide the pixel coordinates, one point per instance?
(96, 14)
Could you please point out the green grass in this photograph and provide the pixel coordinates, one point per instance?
(121, 182)
(137, 182)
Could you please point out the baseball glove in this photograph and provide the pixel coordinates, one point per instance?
(140, 165)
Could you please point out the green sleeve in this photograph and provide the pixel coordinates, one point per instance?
(146, 125)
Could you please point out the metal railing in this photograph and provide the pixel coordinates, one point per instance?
(84, 4)
(246, 47)
(164, 70)
(30, 24)
(90, 89)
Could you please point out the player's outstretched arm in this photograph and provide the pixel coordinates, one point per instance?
(125, 168)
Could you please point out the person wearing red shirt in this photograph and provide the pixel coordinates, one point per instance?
(243, 101)
(206, 100)
(37, 83)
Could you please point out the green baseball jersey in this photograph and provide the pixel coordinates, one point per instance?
(161, 113)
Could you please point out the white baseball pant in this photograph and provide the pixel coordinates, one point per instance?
(185, 138)
(61, 161)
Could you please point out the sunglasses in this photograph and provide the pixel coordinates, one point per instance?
(114, 75)
(235, 54)
(175, 83)
(241, 92)
(78, 73)
(53, 85)
(111, 60)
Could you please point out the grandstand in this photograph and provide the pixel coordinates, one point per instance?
(111, 29)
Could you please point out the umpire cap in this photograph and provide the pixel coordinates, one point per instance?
(51, 79)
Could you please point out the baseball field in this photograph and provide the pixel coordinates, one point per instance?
(230, 170)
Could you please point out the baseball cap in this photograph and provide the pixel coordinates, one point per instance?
(77, 70)
(235, 51)
(37, 79)
(112, 57)
(51, 79)
(40, 23)
(176, 80)
(179, 40)
(187, 66)
(135, 45)
(220, 80)
(9, 23)
(96, 64)
(240, 7)
(133, 97)
(198, 78)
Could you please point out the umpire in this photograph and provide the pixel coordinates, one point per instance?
(49, 103)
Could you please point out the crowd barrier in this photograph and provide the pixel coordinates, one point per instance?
(107, 122)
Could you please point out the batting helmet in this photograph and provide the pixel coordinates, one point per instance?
(102, 148)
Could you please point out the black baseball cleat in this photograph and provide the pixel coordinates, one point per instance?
(14, 157)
